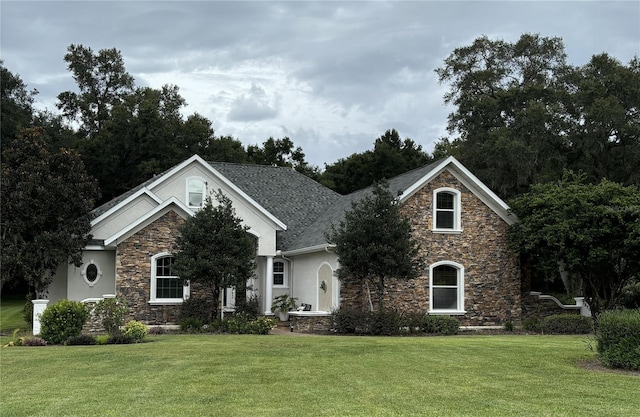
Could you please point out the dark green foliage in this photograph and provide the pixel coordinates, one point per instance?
(441, 325)
(281, 152)
(191, 325)
(120, 339)
(196, 308)
(63, 320)
(16, 106)
(242, 324)
(112, 312)
(630, 296)
(82, 339)
(532, 325)
(618, 337)
(27, 312)
(390, 157)
(249, 307)
(215, 251)
(523, 115)
(374, 243)
(567, 324)
(593, 230)
(46, 202)
(508, 326)
(391, 322)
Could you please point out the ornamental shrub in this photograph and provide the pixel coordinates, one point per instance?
(532, 325)
(102, 339)
(385, 323)
(112, 312)
(441, 325)
(119, 339)
(31, 341)
(567, 324)
(241, 323)
(348, 321)
(191, 325)
(618, 337)
(196, 308)
(82, 339)
(63, 320)
(136, 330)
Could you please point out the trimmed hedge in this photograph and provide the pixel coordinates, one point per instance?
(63, 320)
(567, 324)
(618, 338)
(391, 322)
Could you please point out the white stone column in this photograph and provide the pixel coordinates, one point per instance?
(268, 290)
(39, 306)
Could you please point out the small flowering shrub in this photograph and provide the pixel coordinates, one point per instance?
(136, 330)
(113, 311)
(63, 320)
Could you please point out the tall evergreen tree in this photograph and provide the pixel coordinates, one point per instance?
(214, 250)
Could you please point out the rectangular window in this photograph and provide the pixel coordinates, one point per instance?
(278, 273)
(168, 288)
(445, 211)
(446, 289)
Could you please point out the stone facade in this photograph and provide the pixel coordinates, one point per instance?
(133, 269)
(311, 324)
(491, 271)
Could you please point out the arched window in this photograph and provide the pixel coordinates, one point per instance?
(446, 210)
(446, 288)
(166, 287)
(196, 190)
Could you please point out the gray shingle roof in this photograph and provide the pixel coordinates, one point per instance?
(305, 206)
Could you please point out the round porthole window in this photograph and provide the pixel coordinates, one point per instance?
(91, 273)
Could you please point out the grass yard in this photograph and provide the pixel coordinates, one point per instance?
(285, 375)
(11, 315)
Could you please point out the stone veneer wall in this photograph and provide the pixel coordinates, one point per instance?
(311, 324)
(491, 270)
(133, 269)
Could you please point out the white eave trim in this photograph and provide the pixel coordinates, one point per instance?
(132, 197)
(135, 226)
(468, 180)
(222, 178)
(317, 248)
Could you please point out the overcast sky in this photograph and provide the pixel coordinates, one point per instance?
(332, 75)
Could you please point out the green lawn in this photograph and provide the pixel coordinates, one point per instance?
(11, 315)
(198, 375)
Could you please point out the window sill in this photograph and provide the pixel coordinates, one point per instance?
(281, 287)
(167, 302)
(447, 312)
(447, 231)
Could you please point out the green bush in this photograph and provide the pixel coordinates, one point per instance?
(119, 339)
(441, 325)
(385, 323)
(567, 324)
(27, 311)
(618, 337)
(532, 325)
(250, 307)
(136, 330)
(196, 308)
(63, 320)
(241, 323)
(112, 312)
(191, 325)
(82, 339)
(348, 321)
(102, 339)
(630, 296)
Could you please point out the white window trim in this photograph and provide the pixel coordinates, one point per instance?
(164, 301)
(84, 273)
(460, 269)
(204, 191)
(285, 273)
(457, 217)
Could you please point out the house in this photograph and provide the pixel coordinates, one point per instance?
(460, 224)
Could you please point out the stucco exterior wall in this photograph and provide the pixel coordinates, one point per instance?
(79, 289)
(305, 285)
(491, 272)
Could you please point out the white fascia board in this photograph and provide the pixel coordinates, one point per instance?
(224, 180)
(132, 197)
(469, 180)
(138, 224)
(318, 248)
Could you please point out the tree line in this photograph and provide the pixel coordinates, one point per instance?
(523, 118)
